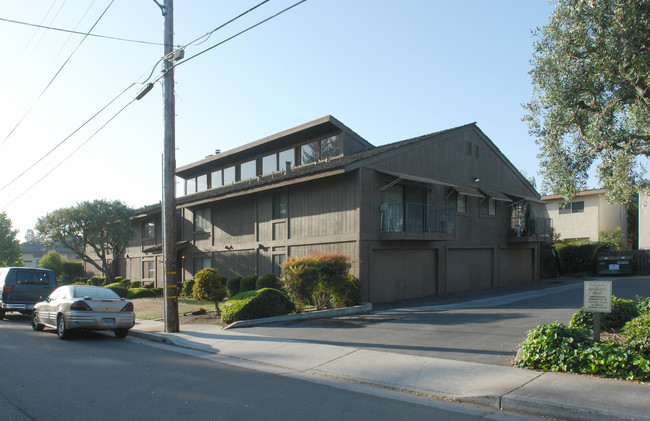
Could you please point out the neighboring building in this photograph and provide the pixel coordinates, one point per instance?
(644, 221)
(33, 252)
(586, 215)
(435, 214)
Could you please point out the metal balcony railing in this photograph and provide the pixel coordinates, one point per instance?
(539, 229)
(416, 217)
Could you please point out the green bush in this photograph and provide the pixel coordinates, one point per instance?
(268, 280)
(232, 285)
(266, 302)
(119, 289)
(637, 331)
(623, 310)
(134, 293)
(578, 256)
(208, 286)
(71, 271)
(136, 284)
(96, 280)
(188, 286)
(643, 305)
(320, 279)
(247, 283)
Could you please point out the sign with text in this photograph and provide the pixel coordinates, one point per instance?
(598, 296)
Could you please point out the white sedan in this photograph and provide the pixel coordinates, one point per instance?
(84, 307)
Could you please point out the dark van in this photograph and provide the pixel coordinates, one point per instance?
(24, 287)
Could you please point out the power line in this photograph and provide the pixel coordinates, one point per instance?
(69, 155)
(51, 28)
(56, 74)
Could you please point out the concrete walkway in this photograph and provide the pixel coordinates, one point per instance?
(557, 395)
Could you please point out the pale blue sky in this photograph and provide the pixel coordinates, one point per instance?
(389, 70)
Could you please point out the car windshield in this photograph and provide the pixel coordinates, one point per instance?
(94, 292)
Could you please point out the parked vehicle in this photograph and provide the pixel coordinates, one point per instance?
(72, 307)
(24, 287)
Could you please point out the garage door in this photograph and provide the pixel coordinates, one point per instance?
(516, 266)
(469, 269)
(402, 274)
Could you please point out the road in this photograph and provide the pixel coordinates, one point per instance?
(100, 377)
(483, 326)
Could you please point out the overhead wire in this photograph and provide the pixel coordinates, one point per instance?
(55, 76)
(51, 28)
(140, 96)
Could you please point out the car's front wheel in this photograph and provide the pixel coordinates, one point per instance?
(61, 329)
(121, 332)
(2, 314)
(36, 323)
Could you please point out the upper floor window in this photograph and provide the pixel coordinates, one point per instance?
(461, 203)
(309, 153)
(149, 230)
(229, 175)
(280, 203)
(202, 219)
(572, 207)
(286, 158)
(202, 182)
(269, 164)
(248, 170)
(488, 207)
(216, 178)
(331, 147)
(190, 186)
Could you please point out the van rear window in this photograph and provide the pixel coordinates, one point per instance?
(24, 277)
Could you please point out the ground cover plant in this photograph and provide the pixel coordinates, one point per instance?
(265, 302)
(623, 353)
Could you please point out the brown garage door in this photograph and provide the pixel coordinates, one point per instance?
(402, 274)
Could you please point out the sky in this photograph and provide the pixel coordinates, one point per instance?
(389, 70)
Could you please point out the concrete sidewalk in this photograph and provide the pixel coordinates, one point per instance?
(557, 395)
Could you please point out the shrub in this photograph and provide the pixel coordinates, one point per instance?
(247, 283)
(643, 305)
(637, 331)
(119, 289)
(268, 280)
(232, 285)
(188, 286)
(71, 271)
(96, 280)
(554, 347)
(142, 293)
(320, 279)
(623, 310)
(578, 256)
(53, 261)
(136, 284)
(266, 302)
(208, 286)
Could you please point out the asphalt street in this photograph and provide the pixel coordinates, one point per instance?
(480, 326)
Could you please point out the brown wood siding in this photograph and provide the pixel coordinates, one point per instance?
(235, 263)
(469, 269)
(234, 222)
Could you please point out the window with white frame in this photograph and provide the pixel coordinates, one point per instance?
(149, 269)
(202, 219)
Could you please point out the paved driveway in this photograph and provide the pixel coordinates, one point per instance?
(485, 326)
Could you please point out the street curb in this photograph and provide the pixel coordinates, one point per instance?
(320, 314)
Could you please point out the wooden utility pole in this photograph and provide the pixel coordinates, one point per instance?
(169, 167)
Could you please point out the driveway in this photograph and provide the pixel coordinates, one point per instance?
(482, 326)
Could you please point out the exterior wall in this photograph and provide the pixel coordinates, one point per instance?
(644, 221)
(598, 215)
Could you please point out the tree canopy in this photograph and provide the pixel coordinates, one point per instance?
(97, 231)
(591, 100)
(11, 252)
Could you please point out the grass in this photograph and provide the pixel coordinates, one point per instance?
(153, 308)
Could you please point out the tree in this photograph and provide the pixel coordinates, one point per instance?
(93, 230)
(11, 253)
(52, 260)
(591, 99)
(30, 236)
(209, 286)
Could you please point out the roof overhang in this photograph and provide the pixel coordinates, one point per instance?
(496, 195)
(415, 178)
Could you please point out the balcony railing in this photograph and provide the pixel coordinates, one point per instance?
(530, 229)
(416, 218)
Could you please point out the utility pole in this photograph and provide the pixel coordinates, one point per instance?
(169, 167)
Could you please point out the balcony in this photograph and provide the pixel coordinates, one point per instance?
(416, 221)
(530, 229)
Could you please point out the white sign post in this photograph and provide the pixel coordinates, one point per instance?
(598, 299)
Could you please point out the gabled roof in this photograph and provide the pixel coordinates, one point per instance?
(593, 192)
(31, 247)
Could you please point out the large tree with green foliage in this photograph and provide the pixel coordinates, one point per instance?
(11, 253)
(97, 231)
(591, 101)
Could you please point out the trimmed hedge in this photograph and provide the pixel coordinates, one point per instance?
(119, 289)
(232, 285)
(266, 302)
(579, 256)
(134, 293)
(268, 280)
(248, 283)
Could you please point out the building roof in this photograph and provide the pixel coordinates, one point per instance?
(31, 247)
(593, 192)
